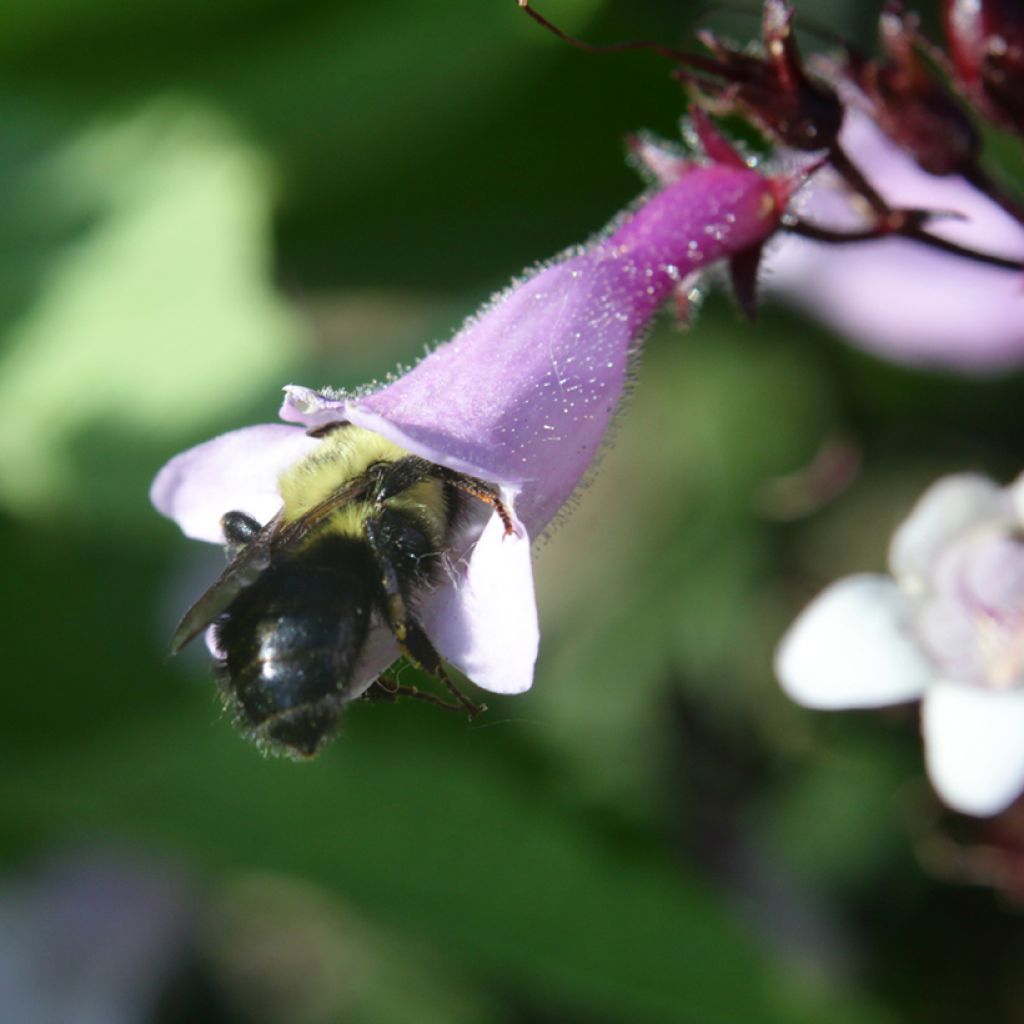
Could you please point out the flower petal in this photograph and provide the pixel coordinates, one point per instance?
(850, 648)
(895, 297)
(1016, 491)
(974, 741)
(310, 408)
(523, 394)
(485, 623)
(238, 470)
(949, 507)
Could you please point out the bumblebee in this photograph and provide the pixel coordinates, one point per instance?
(362, 532)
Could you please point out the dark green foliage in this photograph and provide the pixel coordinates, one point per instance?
(203, 202)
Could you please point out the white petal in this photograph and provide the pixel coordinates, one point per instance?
(310, 408)
(236, 471)
(974, 741)
(948, 508)
(486, 622)
(1016, 490)
(850, 648)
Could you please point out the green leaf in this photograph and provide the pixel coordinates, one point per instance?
(159, 317)
(441, 831)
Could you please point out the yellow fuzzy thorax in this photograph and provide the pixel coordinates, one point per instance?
(340, 459)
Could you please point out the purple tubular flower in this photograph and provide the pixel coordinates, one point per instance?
(520, 398)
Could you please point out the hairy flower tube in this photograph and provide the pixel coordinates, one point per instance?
(518, 400)
(947, 627)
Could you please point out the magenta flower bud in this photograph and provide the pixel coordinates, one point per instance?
(519, 399)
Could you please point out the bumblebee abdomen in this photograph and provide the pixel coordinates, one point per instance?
(292, 639)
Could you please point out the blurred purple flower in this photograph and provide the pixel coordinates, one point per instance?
(92, 936)
(947, 627)
(520, 398)
(901, 300)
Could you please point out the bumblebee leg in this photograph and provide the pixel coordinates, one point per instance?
(422, 653)
(393, 478)
(395, 610)
(387, 690)
(399, 476)
(384, 689)
(481, 491)
(412, 641)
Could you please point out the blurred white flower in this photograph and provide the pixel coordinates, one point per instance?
(947, 627)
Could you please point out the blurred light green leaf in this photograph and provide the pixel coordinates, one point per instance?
(160, 316)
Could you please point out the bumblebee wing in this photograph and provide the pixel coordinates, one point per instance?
(255, 558)
(297, 530)
(243, 570)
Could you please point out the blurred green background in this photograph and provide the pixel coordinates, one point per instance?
(202, 202)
